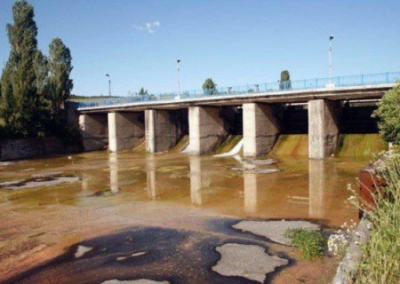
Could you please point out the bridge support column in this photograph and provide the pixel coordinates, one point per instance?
(323, 130)
(125, 130)
(93, 129)
(164, 129)
(260, 129)
(206, 129)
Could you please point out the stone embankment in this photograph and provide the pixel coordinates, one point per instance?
(16, 149)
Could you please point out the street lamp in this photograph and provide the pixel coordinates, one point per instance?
(330, 60)
(109, 84)
(179, 83)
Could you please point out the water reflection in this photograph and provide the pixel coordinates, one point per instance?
(195, 180)
(250, 192)
(151, 176)
(113, 163)
(322, 182)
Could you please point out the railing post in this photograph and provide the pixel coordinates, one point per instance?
(305, 84)
(387, 77)
(362, 79)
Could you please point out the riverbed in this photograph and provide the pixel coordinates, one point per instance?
(180, 207)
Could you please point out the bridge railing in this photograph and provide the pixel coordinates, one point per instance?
(317, 83)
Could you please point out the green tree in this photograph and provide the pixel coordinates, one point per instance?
(209, 86)
(388, 114)
(59, 82)
(7, 106)
(143, 92)
(285, 82)
(19, 91)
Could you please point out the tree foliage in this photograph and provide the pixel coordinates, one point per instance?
(285, 83)
(59, 82)
(388, 114)
(143, 92)
(209, 86)
(33, 87)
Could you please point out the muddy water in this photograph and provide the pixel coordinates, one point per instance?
(166, 196)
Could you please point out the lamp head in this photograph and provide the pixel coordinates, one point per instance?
(331, 37)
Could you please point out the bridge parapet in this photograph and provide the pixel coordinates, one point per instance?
(249, 89)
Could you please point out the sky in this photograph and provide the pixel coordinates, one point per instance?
(234, 42)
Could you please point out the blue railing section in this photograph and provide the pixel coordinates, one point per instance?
(343, 81)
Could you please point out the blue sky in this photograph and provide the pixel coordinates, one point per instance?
(235, 42)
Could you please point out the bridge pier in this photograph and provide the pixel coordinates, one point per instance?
(164, 129)
(323, 130)
(125, 130)
(206, 129)
(93, 128)
(260, 129)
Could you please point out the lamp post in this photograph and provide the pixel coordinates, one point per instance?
(109, 84)
(179, 83)
(330, 60)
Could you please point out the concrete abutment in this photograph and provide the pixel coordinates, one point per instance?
(207, 129)
(125, 130)
(260, 128)
(323, 128)
(94, 131)
(164, 129)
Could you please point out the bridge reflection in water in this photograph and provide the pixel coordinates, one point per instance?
(303, 188)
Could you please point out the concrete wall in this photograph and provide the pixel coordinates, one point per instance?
(94, 131)
(164, 129)
(16, 149)
(125, 130)
(323, 130)
(260, 129)
(206, 129)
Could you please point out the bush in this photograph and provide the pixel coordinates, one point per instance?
(381, 255)
(388, 114)
(310, 242)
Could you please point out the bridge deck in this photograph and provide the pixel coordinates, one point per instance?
(363, 92)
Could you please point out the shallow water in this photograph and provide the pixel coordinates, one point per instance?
(112, 192)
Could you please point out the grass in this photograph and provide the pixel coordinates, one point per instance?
(310, 242)
(381, 255)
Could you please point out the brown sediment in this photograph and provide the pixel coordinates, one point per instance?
(361, 145)
(291, 145)
(165, 191)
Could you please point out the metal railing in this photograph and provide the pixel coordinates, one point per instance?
(318, 83)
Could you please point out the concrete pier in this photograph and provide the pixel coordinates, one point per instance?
(94, 128)
(125, 130)
(323, 130)
(164, 129)
(260, 129)
(206, 129)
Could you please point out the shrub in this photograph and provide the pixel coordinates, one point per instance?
(310, 242)
(388, 114)
(381, 255)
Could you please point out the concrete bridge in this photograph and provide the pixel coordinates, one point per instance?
(323, 112)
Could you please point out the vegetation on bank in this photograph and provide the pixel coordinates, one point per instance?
(310, 242)
(388, 114)
(381, 255)
(34, 87)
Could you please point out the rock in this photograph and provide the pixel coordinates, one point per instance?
(248, 261)
(81, 251)
(274, 230)
(121, 258)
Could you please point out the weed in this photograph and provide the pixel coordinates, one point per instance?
(310, 242)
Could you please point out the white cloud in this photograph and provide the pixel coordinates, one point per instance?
(150, 27)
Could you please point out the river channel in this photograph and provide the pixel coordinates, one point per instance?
(178, 206)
